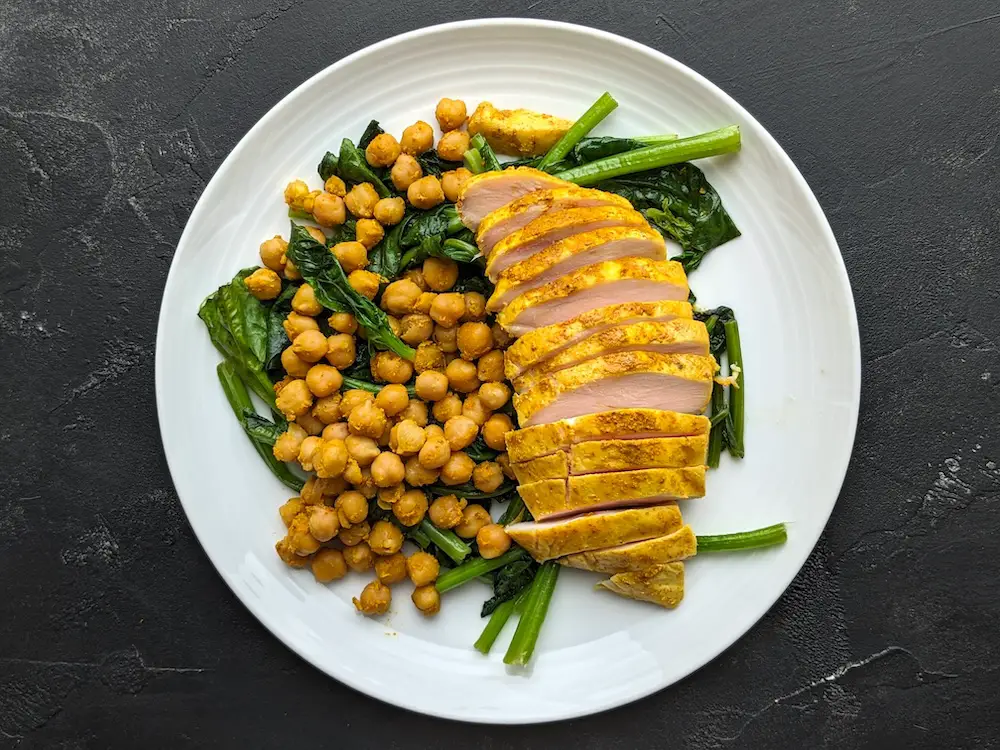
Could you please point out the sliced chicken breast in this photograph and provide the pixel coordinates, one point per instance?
(679, 336)
(521, 212)
(635, 556)
(547, 540)
(536, 346)
(571, 253)
(553, 498)
(608, 282)
(623, 424)
(517, 132)
(661, 584)
(598, 456)
(484, 193)
(547, 230)
(671, 382)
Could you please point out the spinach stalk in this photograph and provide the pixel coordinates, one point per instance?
(715, 437)
(446, 541)
(472, 569)
(600, 109)
(722, 141)
(497, 621)
(768, 536)
(737, 393)
(522, 645)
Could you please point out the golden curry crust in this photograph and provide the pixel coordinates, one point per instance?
(517, 132)
(674, 546)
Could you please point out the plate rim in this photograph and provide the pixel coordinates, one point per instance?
(842, 279)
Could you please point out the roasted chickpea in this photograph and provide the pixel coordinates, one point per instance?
(389, 211)
(392, 399)
(338, 431)
(460, 432)
(462, 376)
(353, 256)
(425, 300)
(299, 537)
(364, 283)
(501, 339)
(316, 233)
(394, 324)
(423, 568)
(446, 511)
(335, 186)
(431, 385)
(503, 461)
(369, 233)
(474, 340)
(458, 469)
(272, 253)
(290, 509)
(323, 523)
(328, 565)
(391, 568)
(450, 114)
(474, 408)
(359, 557)
(434, 453)
(341, 350)
(354, 535)
(409, 438)
(494, 430)
(352, 399)
(367, 420)
(417, 138)
(428, 357)
(294, 399)
(308, 450)
(385, 538)
(492, 540)
(327, 409)
(383, 150)
(294, 366)
(364, 450)
(400, 296)
(331, 459)
(375, 599)
(309, 423)
(296, 192)
(389, 367)
(304, 301)
(323, 380)
(487, 476)
(447, 309)
(452, 182)
(314, 490)
(329, 210)
(343, 323)
(295, 324)
(474, 517)
(354, 474)
(441, 275)
(425, 193)
(411, 508)
(352, 508)
(263, 284)
(446, 338)
(475, 307)
(418, 475)
(291, 272)
(309, 346)
(417, 277)
(494, 395)
(427, 599)
(448, 407)
(361, 200)
(415, 328)
(416, 411)
(405, 172)
(288, 555)
(453, 145)
(387, 469)
(489, 369)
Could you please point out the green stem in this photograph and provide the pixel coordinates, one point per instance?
(522, 645)
(474, 161)
(455, 225)
(239, 399)
(490, 161)
(446, 541)
(720, 415)
(600, 109)
(471, 570)
(294, 213)
(722, 141)
(656, 140)
(715, 437)
(513, 512)
(461, 251)
(419, 537)
(737, 392)
(769, 536)
(497, 621)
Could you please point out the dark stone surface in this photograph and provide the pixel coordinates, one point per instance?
(115, 631)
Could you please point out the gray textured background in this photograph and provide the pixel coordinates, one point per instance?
(115, 631)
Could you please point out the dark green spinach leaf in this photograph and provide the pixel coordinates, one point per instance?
(328, 166)
(353, 168)
(509, 581)
(385, 257)
(433, 164)
(277, 339)
(368, 136)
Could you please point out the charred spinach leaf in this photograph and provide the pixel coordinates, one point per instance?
(353, 168)
(509, 581)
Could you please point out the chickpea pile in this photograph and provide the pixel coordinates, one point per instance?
(368, 450)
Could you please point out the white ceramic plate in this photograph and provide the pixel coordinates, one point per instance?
(784, 277)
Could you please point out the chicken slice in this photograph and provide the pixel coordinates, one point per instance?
(547, 540)
(597, 456)
(621, 489)
(574, 252)
(623, 424)
(608, 282)
(671, 382)
(486, 192)
(634, 556)
(517, 132)
(536, 346)
(547, 230)
(521, 212)
(679, 336)
(661, 584)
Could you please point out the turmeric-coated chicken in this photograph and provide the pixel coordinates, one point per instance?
(674, 546)
(661, 584)
(517, 132)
